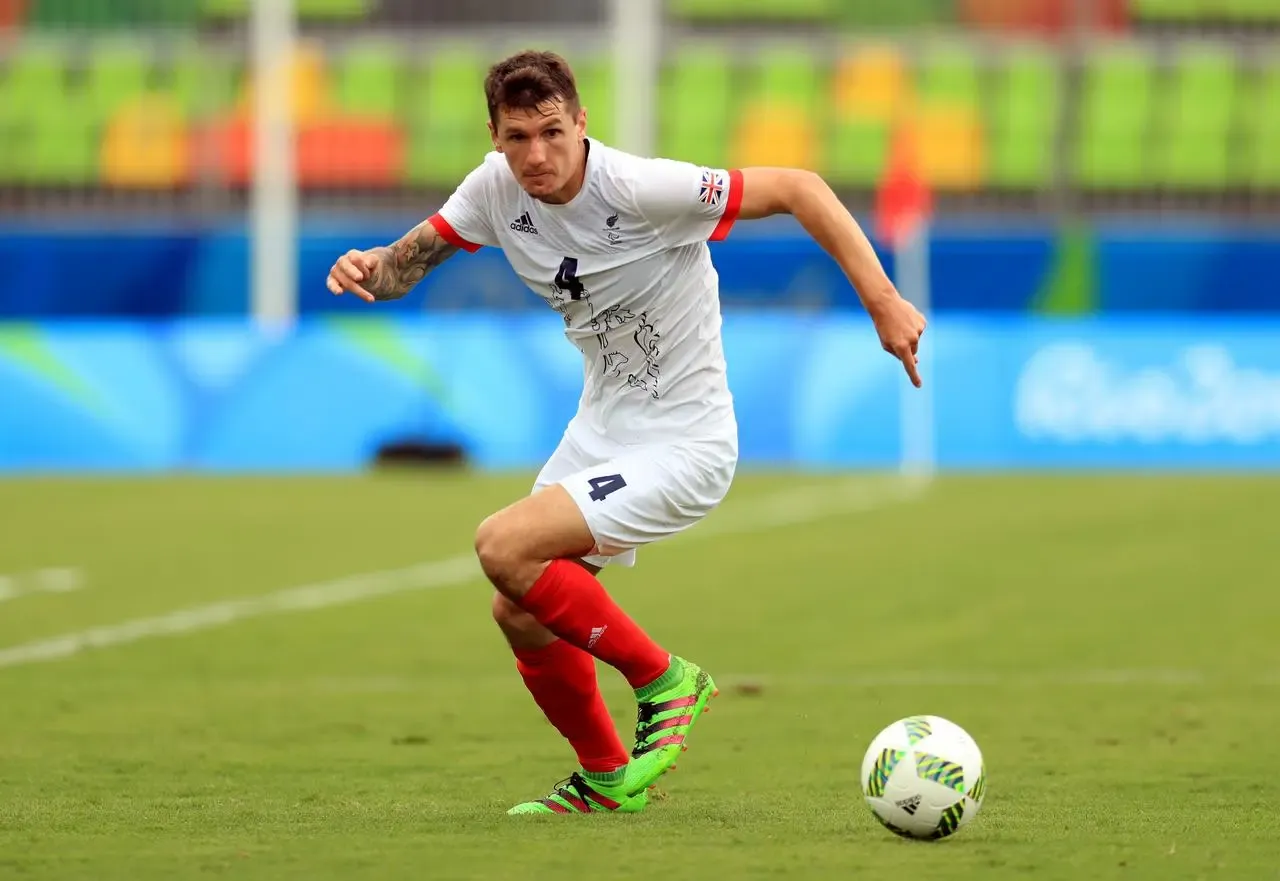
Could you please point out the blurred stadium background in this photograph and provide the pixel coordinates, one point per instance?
(1047, 105)
(1088, 160)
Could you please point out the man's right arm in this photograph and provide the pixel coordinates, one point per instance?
(406, 262)
(390, 272)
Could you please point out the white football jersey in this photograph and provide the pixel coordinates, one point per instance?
(626, 265)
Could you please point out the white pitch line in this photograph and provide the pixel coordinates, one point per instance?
(806, 505)
(812, 504)
(355, 588)
(25, 584)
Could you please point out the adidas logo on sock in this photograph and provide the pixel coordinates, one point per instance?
(524, 223)
(596, 633)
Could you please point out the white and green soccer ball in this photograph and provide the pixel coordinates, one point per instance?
(923, 777)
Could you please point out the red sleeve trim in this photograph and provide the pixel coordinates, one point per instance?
(450, 235)
(731, 208)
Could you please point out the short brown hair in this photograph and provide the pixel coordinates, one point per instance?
(530, 79)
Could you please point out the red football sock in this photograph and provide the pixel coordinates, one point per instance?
(562, 680)
(573, 604)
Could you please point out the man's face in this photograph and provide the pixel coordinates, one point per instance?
(543, 146)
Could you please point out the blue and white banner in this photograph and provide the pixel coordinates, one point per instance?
(811, 391)
(1135, 393)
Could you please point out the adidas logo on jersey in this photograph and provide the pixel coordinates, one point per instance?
(524, 223)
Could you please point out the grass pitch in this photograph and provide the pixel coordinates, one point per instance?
(1112, 642)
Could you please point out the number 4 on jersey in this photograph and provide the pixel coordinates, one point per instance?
(567, 279)
(602, 486)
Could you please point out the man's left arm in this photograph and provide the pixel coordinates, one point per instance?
(807, 197)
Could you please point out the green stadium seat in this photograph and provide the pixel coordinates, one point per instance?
(368, 80)
(204, 81)
(948, 75)
(110, 14)
(447, 133)
(1252, 11)
(1194, 115)
(595, 90)
(224, 8)
(1114, 120)
(788, 76)
(9, 167)
(37, 74)
(34, 81)
(350, 10)
(1166, 11)
(698, 106)
(1022, 121)
(1259, 161)
(1184, 12)
(892, 14)
(762, 10)
(62, 143)
(856, 152)
(308, 10)
(116, 73)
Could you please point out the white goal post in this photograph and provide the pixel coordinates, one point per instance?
(918, 459)
(273, 206)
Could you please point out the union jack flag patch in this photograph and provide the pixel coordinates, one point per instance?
(712, 188)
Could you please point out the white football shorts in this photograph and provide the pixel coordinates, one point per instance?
(635, 494)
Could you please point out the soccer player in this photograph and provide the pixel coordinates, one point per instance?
(617, 245)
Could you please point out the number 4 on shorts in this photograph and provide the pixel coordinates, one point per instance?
(602, 486)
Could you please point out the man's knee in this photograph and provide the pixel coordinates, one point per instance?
(496, 549)
(508, 559)
(509, 616)
(514, 545)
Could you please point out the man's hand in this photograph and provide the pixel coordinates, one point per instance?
(900, 326)
(390, 273)
(351, 269)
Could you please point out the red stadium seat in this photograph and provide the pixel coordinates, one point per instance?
(223, 147)
(338, 152)
(351, 152)
(11, 13)
(1043, 16)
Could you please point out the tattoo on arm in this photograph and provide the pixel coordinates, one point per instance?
(405, 263)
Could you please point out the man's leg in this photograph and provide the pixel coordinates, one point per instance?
(526, 551)
(562, 680)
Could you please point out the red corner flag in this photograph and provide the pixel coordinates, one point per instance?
(903, 200)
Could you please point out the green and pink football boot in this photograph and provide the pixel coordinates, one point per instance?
(668, 709)
(577, 795)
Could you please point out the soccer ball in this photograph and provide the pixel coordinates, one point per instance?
(923, 777)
